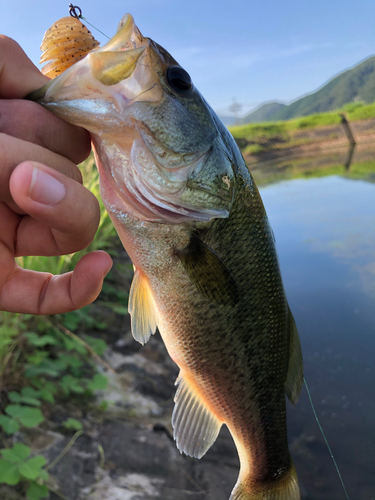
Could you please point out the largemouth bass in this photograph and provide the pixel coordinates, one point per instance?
(206, 270)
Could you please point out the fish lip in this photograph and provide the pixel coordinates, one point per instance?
(133, 38)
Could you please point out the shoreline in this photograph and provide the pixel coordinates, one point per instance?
(317, 140)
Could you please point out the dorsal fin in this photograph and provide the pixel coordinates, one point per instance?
(294, 379)
(195, 428)
(142, 308)
(207, 272)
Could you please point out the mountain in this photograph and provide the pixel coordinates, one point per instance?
(357, 82)
(263, 113)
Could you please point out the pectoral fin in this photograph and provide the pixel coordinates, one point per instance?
(294, 379)
(195, 428)
(208, 272)
(142, 308)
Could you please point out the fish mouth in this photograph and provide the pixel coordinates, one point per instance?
(118, 73)
(97, 93)
(154, 179)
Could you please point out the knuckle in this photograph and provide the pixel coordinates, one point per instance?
(9, 48)
(8, 43)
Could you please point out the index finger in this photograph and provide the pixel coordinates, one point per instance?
(18, 75)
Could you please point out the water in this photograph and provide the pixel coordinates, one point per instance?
(325, 234)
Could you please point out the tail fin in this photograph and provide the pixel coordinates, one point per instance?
(285, 488)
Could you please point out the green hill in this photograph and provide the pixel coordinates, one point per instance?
(263, 113)
(355, 83)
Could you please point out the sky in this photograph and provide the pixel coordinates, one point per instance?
(251, 51)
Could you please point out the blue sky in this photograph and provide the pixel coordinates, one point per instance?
(253, 51)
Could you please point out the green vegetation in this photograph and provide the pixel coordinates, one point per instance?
(361, 112)
(283, 128)
(312, 167)
(44, 360)
(358, 82)
(16, 465)
(255, 138)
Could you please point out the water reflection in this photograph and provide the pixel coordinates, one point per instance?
(353, 163)
(323, 217)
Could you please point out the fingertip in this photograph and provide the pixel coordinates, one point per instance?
(63, 215)
(103, 260)
(33, 182)
(20, 180)
(96, 264)
(88, 276)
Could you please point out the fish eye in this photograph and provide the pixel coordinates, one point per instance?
(178, 79)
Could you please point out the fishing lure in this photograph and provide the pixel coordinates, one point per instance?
(67, 41)
(195, 425)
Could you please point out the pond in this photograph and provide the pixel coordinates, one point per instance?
(322, 212)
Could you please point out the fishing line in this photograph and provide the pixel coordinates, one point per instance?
(97, 29)
(78, 15)
(325, 439)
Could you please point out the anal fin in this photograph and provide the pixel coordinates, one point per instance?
(142, 308)
(195, 428)
(294, 379)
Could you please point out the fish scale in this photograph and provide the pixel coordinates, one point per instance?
(262, 356)
(206, 268)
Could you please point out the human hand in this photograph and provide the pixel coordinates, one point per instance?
(44, 209)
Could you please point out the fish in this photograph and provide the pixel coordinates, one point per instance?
(206, 271)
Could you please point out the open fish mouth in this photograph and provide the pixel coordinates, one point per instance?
(151, 178)
(113, 92)
(118, 73)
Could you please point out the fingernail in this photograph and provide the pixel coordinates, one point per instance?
(45, 189)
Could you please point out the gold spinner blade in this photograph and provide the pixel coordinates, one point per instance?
(66, 42)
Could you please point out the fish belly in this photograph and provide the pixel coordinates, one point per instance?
(233, 358)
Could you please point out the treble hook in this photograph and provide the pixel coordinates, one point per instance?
(72, 11)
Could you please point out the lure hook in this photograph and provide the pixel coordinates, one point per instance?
(73, 11)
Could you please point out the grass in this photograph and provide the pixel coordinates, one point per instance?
(253, 130)
(47, 359)
(307, 168)
(362, 112)
(256, 138)
(312, 121)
